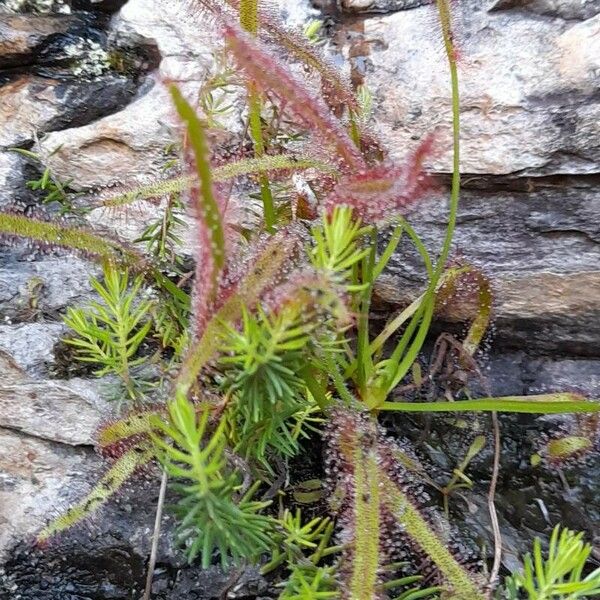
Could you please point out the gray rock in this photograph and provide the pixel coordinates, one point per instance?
(566, 9)
(529, 110)
(37, 478)
(581, 375)
(66, 412)
(380, 6)
(109, 6)
(127, 148)
(30, 289)
(123, 148)
(529, 90)
(35, 6)
(541, 250)
(31, 345)
(12, 180)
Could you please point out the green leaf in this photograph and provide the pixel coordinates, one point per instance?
(535, 404)
(208, 208)
(108, 485)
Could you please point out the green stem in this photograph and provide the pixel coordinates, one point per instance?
(363, 356)
(455, 189)
(266, 195)
(514, 404)
(417, 343)
(248, 11)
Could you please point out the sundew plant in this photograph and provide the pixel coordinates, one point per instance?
(273, 343)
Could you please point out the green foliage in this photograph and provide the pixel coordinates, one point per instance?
(311, 583)
(561, 574)
(207, 208)
(261, 363)
(162, 238)
(337, 246)
(214, 515)
(459, 479)
(304, 548)
(262, 359)
(312, 31)
(559, 403)
(80, 240)
(53, 189)
(369, 483)
(279, 341)
(109, 333)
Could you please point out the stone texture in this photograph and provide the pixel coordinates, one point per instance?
(528, 219)
(42, 288)
(31, 105)
(66, 412)
(529, 158)
(127, 146)
(31, 345)
(37, 477)
(21, 36)
(380, 6)
(12, 180)
(566, 9)
(529, 90)
(109, 6)
(541, 250)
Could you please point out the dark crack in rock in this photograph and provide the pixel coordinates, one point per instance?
(565, 9)
(380, 6)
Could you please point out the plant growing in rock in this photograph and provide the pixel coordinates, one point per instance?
(110, 332)
(280, 343)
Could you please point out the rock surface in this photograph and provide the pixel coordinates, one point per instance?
(530, 157)
(529, 90)
(530, 73)
(42, 288)
(566, 9)
(33, 105)
(541, 250)
(21, 36)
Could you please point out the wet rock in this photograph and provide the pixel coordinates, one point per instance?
(106, 557)
(32, 105)
(529, 90)
(579, 375)
(380, 6)
(43, 288)
(566, 9)
(540, 250)
(23, 36)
